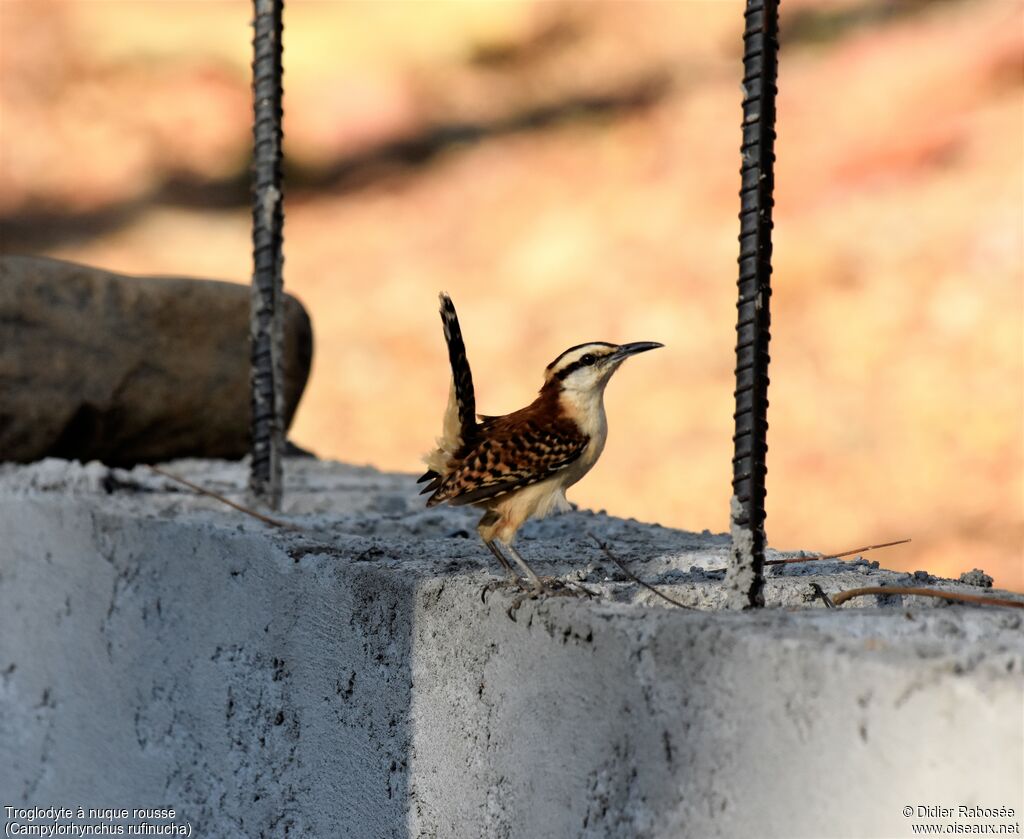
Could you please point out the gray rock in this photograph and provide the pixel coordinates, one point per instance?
(976, 577)
(96, 365)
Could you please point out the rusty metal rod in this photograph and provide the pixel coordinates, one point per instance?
(746, 574)
(267, 402)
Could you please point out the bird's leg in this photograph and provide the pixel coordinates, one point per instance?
(541, 585)
(535, 581)
(510, 574)
(486, 531)
(538, 586)
(509, 570)
(548, 585)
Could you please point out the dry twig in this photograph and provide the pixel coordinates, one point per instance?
(864, 549)
(634, 577)
(843, 596)
(223, 500)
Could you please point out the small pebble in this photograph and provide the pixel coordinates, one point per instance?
(976, 577)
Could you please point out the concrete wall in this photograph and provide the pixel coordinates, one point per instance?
(160, 650)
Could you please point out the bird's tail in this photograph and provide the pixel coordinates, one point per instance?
(460, 424)
(462, 378)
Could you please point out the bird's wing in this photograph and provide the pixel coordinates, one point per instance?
(508, 459)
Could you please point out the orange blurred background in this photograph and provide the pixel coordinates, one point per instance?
(569, 172)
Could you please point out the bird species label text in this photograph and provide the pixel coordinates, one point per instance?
(94, 821)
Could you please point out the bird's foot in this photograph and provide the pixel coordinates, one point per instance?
(547, 587)
(509, 582)
(557, 587)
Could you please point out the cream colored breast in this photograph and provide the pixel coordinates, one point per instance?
(587, 410)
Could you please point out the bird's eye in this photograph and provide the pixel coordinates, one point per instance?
(587, 359)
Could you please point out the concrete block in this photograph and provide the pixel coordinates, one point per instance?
(158, 649)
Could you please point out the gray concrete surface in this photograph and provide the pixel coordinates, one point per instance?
(158, 649)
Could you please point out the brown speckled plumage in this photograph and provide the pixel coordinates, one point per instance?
(510, 452)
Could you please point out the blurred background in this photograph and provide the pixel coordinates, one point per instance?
(569, 172)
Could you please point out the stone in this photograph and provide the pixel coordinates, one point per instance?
(101, 366)
(976, 577)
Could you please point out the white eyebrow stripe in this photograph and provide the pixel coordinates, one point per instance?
(574, 354)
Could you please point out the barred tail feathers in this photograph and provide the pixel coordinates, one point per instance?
(460, 415)
(462, 376)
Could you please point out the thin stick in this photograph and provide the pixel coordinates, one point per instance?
(634, 577)
(223, 500)
(843, 596)
(865, 549)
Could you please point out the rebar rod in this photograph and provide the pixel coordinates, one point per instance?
(266, 326)
(745, 579)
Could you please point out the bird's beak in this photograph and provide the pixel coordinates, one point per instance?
(626, 350)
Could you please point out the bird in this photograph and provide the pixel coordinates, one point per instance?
(519, 466)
